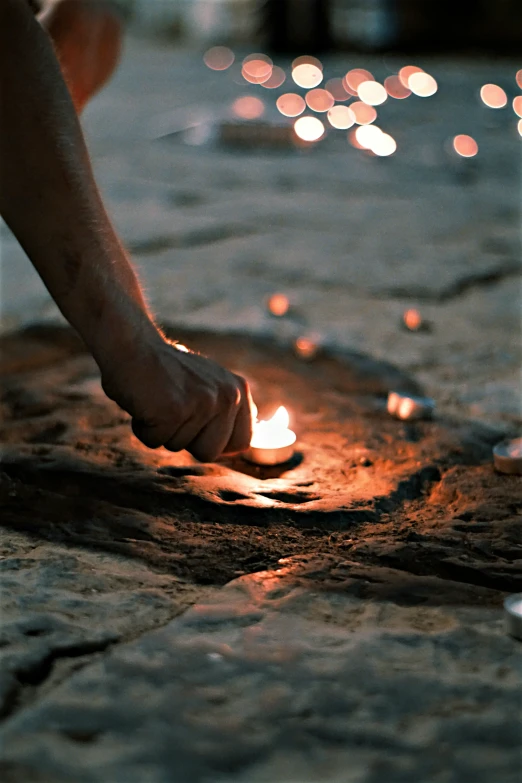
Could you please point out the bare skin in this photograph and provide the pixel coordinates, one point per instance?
(49, 199)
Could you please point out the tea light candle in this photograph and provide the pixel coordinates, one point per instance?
(507, 456)
(513, 615)
(272, 441)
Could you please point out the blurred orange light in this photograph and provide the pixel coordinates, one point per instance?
(278, 304)
(341, 117)
(319, 100)
(517, 105)
(306, 347)
(518, 77)
(352, 138)
(291, 104)
(248, 107)
(276, 78)
(307, 75)
(372, 93)
(519, 127)
(258, 66)
(364, 114)
(336, 88)
(406, 72)
(357, 76)
(307, 59)
(218, 58)
(493, 96)
(412, 319)
(367, 135)
(309, 128)
(464, 145)
(422, 84)
(395, 88)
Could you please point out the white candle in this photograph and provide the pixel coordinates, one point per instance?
(272, 441)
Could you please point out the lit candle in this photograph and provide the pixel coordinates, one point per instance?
(272, 441)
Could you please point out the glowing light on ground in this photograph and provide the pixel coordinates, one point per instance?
(218, 58)
(352, 138)
(319, 100)
(336, 88)
(307, 76)
(291, 104)
(341, 117)
(395, 88)
(465, 145)
(406, 72)
(276, 78)
(367, 135)
(355, 77)
(364, 114)
(372, 93)
(517, 105)
(309, 128)
(248, 107)
(307, 59)
(278, 304)
(493, 96)
(383, 145)
(422, 84)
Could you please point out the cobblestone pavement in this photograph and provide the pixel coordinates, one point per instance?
(123, 659)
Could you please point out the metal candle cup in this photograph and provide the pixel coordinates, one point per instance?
(272, 442)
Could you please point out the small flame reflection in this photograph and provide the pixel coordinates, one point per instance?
(274, 433)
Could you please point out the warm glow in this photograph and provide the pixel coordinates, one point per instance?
(274, 433)
(493, 96)
(412, 319)
(307, 76)
(306, 347)
(395, 88)
(519, 127)
(257, 66)
(518, 77)
(341, 117)
(422, 84)
(278, 304)
(276, 78)
(291, 104)
(464, 145)
(248, 107)
(372, 93)
(406, 72)
(517, 105)
(352, 138)
(364, 114)
(181, 347)
(383, 145)
(355, 77)
(309, 128)
(219, 58)
(319, 100)
(336, 88)
(307, 59)
(367, 135)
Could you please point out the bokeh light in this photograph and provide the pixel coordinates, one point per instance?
(518, 77)
(341, 117)
(517, 105)
(406, 72)
(465, 145)
(493, 96)
(307, 59)
(291, 104)
(519, 127)
(248, 107)
(372, 93)
(355, 77)
(395, 88)
(367, 135)
(218, 58)
(412, 319)
(336, 88)
(307, 346)
(319, 100)
(352, 138)
(307, 76)
(258, 66)
(278, 304)
(276, 78)
(364, 114)
(383, 145)
(309, 128)
(422, 84)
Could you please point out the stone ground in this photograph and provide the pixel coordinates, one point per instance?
(338, 620)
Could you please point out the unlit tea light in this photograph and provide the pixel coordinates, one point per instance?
(272, 442)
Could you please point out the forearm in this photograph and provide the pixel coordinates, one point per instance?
(48, 196)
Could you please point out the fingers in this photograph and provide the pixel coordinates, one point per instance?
(149, 433)
(242, 430)
(213, 438)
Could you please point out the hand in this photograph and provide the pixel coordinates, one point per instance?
(182, 401)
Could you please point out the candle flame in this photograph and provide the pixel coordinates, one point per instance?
(274, 433)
